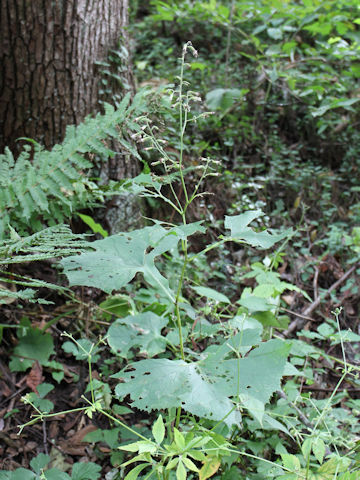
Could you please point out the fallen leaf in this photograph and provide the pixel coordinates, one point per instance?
(288, 299)
(34, 377)
(74, 444)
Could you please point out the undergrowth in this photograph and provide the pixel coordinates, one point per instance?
(197, 382)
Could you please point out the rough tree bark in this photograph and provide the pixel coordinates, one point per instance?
(48, 58)
(50, 75)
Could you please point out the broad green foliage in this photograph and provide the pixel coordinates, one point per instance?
(238, 225)
(33, 345)
(38, 400)
(224, 98)
(211, 294)
(191, 332)
(49, 186)
(142, 331)
(204, 388)
(80, 471)
(82, 349)
(282, 78)
(95, 227)
(288, 40)
(178, 384)
(119, 258)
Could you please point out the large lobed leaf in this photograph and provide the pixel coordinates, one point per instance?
(210, 387)
(238, 225)
(117, 259)
(161, 383)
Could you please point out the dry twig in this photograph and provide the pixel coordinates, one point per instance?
(299, 323)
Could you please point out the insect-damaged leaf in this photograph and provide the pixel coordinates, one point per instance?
(117, 259)
(142, 331)
(207, 388)
(161, 383)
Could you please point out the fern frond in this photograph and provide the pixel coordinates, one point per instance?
(57, 241)
(32, 188)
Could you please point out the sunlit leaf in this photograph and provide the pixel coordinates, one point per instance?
(210, 467)
(158, 430)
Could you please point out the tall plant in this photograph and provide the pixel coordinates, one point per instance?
(202, 381)
(227, 377)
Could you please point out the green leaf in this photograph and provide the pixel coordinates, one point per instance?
(131, 447)
(190, 464)
(254, 303)
(211, 294)
(82, 349)
(306, 448)
(334, 465)
(223, 98)
(172, 463)
(158, 430)
(268, 319)
(205, 388)
(183, 385)
(20, 365)
(291, 462)
(22, 474)
(55, 474)
(349, 476)
(238, 225)
(85, 471)
(43, 389)
(119, 258)
(35, 345)
(118, 305)
(274, 424)
(6, 475)
(95, 227)
(39, 462)
(198, 66)
(275, 33)
(146, 446)
(42, 404)
(256, 407)
(142, 330)
(197, 455)
(241, 343)
(179, 439)
(340, 103)
(180, 471)
(319, 449)
(134, 473)
(258, 375)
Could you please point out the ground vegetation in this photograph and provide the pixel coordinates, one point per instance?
(221, 339)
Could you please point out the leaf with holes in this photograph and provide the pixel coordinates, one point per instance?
(255, 377)
(142, 330)
(117, 259)
(161, 383)
(206, 388)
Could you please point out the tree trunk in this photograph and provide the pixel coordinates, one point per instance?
(51, 58)
(50, 77)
